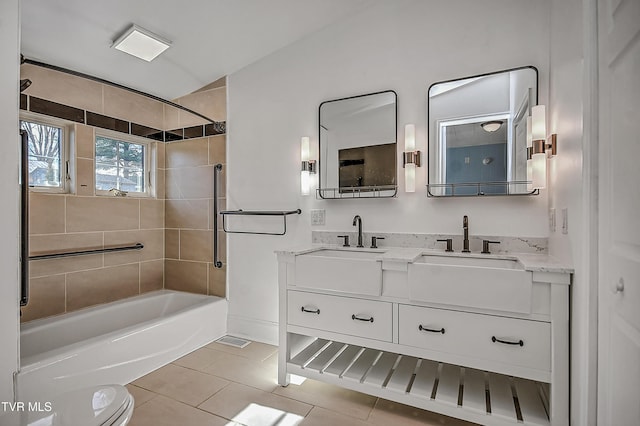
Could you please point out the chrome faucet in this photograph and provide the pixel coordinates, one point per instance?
(357, 219)
(465, 231)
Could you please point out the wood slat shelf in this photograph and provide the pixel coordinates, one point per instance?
(473, 395)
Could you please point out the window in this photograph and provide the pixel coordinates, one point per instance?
(48, 168)
(122, 165)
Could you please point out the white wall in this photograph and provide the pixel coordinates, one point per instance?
(570, 175)
(404, 45)
(9, 57)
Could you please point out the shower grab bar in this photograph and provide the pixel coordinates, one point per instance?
(136, 246)
(216, 171)
(241, 212)
(24, 218)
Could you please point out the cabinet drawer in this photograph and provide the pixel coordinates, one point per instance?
(364, 318)
(512, 341)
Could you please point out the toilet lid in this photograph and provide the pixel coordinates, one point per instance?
(94, 406)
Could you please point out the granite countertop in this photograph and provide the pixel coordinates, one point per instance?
(530, 262)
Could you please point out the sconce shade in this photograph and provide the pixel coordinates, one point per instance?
(538, 123)
(410, 177)
(304, 148)
(539, 170)
(305, 182)
(409, 137)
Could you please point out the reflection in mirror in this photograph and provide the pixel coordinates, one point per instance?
(478, 134)
(358, 146)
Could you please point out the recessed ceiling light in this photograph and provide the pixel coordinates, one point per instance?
(141, 43)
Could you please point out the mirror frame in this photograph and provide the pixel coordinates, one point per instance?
(357, 194)
(505, 183)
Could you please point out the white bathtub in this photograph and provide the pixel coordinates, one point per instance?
(116, 342)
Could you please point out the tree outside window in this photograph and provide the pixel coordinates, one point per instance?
(44, 154)
(119, 165)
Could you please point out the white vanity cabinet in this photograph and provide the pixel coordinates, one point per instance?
(452, 336)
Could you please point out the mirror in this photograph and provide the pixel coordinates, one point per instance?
(357, 149)
(478, 134)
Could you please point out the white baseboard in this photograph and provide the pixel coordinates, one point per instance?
(253, 329)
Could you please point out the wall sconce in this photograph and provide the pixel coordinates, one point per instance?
(540, 147)
(411, 158)
(308, 166)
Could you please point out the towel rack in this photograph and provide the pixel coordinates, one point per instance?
(241, 212)
(136, 246)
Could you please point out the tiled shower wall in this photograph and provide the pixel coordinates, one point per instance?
(189, 216)
(81, 220)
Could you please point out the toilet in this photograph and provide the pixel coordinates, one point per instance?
(102, 405)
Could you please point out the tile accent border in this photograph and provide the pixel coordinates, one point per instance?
(54, 109)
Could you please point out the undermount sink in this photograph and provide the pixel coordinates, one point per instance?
(480, 262)
(478, 282)
(346, 271)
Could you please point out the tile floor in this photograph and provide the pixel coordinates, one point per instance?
(223, 385)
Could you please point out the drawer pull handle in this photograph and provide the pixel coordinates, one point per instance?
(317, 311)
(432, 330)
(370, 319)
(494, 339)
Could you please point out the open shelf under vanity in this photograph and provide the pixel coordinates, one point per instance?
(465, 393)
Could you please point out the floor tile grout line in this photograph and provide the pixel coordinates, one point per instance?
(261, 364)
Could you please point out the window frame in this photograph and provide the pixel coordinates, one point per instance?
(65, 150)
(148, 169)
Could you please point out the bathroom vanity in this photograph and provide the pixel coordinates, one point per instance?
(484, 338)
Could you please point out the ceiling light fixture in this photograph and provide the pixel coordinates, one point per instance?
(491, 126)
(141, 43)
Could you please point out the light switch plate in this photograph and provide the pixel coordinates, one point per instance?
(565, 221)
(317, 217)
(552, 220)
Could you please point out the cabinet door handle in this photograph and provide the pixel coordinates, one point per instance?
(354, 317)
(432, 330)
(317, 311)
(494, 339)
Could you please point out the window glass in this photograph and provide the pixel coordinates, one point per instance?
(45, 154)
(120, 165)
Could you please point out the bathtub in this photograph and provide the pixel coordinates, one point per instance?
(116, 342)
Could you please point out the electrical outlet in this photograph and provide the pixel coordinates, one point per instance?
(317, 216)
(565, 221)
(552, 219)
